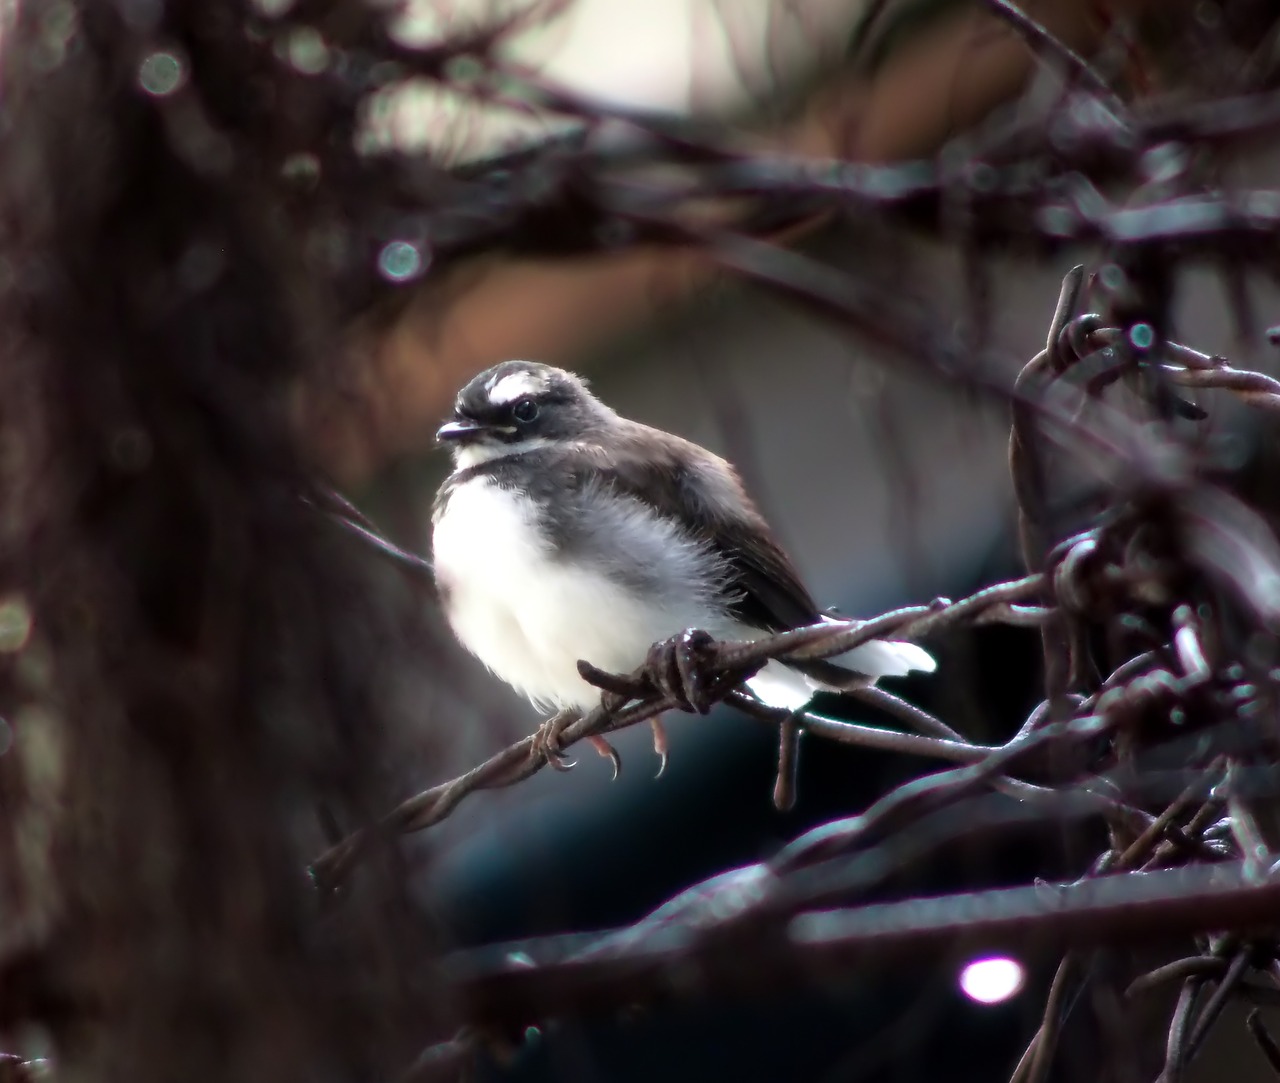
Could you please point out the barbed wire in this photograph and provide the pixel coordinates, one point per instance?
(795, 917)
(723, 666)
(595, 187)
(1170, 534)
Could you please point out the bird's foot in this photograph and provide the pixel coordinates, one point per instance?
(616, 689)
(678, 669)
(546, 743)
(546, 739)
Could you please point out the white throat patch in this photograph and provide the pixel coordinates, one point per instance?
(477, 454)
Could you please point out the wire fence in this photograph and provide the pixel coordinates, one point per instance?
(796, 918)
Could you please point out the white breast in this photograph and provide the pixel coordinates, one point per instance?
(528, 616)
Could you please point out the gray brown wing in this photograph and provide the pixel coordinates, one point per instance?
(703, 494)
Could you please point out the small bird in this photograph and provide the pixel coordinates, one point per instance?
(568, 532)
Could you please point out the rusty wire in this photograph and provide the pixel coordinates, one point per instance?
(578, 193)
(1173, 556)
(739, 661)
(771, 911)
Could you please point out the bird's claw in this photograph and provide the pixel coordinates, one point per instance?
(609, 753)
(660, 746)
(546, 743)
(546, 740)
(675, 669)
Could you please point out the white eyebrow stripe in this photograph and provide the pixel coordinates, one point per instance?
(515, 386)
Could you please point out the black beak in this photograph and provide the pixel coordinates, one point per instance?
(458, 429)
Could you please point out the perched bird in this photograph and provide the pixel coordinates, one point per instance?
(568, 532)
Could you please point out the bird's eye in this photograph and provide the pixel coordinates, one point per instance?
(525, 410)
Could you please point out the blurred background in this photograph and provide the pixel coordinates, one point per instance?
(887, 486)
(886, 489)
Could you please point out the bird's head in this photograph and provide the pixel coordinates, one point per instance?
(519, 406)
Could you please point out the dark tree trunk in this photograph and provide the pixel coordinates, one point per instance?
(198, 674)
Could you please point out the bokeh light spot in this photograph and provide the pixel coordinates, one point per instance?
(15, 625)
(463, 68)
(400, 261)
(160, 74)
(1142, 335)
(1112, 277)
(307, 51)
(301, 169)
(992, 980)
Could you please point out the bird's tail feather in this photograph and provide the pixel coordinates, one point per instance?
(791, 687)
(879, 658)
